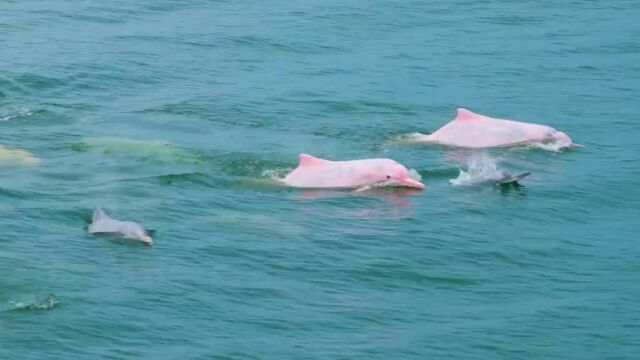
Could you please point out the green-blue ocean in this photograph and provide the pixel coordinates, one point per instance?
(182, 114)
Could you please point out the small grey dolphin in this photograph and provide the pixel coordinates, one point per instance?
(483, 170)
(500, 177)
(103, 224)
(509, 178)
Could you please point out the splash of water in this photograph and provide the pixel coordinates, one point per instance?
(276, 175)
(555, 146)
(15, 113)
(46, 303)
(480, 168)
(415, 175)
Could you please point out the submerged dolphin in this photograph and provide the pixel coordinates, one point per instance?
(103, 224)
(17, 157)
(313, 172)
(471, 130)
(155, 150)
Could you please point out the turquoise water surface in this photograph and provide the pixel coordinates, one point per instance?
(179, 115)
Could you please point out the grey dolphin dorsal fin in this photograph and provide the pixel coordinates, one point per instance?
(99, 214)
(513, 178)
(310, 160)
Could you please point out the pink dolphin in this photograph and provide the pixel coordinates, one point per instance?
(313, 172)
(472, 130)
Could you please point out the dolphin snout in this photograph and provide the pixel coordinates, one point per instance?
(147, 240)
(411, 183)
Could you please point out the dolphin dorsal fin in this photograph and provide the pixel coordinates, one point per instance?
(466, 115)
(309, 160)
(98, 214)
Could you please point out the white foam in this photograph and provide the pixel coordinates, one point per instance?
(276, 174)
(46, 303)
(408, 138)
(15, 113)
(555, 146)
(480, 168)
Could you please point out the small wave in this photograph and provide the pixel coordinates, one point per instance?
(15, 113)
(437, 172)
(31, 81)
(46, 303)
(13, 194)
(196, 178)
(257, 223)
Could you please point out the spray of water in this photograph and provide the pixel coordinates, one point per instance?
(480, 168)
(44, 303)
(415, 175)
(276, 175)
(555, 146)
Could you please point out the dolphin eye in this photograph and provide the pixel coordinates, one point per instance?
(388, 177)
